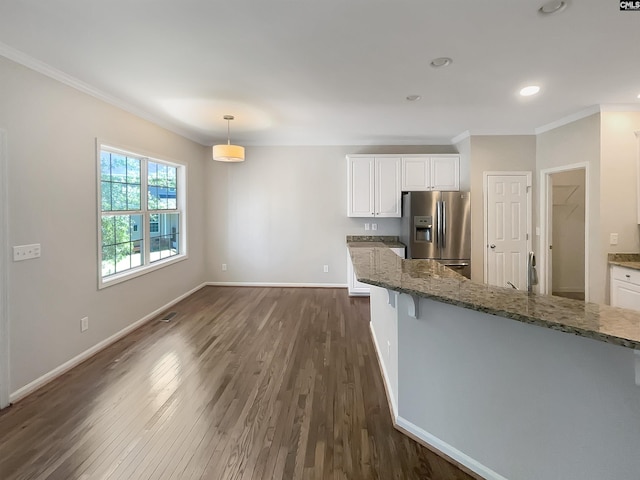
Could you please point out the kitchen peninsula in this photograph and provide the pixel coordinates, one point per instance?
(508, 384)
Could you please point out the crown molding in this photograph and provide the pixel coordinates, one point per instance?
(47, 70)
(460, 137)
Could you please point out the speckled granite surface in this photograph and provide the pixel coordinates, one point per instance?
(381, 241)
(629, 260)
(377, 265)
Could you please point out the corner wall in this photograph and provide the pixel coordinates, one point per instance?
(488, 154)
(51, 130)
(578, 142)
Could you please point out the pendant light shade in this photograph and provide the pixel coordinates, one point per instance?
(228, 152)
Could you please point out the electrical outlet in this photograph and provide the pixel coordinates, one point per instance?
(84, 324)
(326, 269)
(374, 226)
(224, 267)
(613, 239)
(26, 252)
(366, 226)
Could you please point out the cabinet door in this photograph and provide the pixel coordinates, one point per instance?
(387, 187)
(416, 174)
(360, 188)
(445, 173)
(625, 295)
(355, 287)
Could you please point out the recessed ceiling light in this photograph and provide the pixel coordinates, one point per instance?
(530, 90)
(413, 98)
(639, 95)
(551, 7)
(441, 62)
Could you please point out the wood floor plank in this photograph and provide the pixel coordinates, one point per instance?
(243, 384)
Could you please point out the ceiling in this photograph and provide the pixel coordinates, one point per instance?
(333, 72)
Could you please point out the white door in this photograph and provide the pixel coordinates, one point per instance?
(507, 208)
(388, 192)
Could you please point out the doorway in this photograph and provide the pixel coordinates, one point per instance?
(507, 228)
(4, 276)
(564, 222)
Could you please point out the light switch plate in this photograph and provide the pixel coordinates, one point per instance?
(613, 239)
(26, 252)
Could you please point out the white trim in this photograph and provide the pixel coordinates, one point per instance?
(587, 112)
(545, 241)
(385, 375)
(485, 213)
(448, 450)
(276, 284)
(60, 370)
(51, 72)
(4, 274)
(461, 136)
(147, 266)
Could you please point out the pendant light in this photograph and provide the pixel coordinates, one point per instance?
(228, 152)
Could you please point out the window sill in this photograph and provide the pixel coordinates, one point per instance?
(139, 271)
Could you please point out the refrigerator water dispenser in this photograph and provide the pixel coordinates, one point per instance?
(423, 226)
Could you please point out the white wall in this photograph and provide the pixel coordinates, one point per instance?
(51, 131)
(492, 153)
(384, 328)
(568, 230)
(282, 214)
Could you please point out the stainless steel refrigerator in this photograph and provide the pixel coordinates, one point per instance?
(437, 225)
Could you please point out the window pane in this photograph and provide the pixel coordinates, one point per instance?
(172, 174)
(118, 168)
(118, 196)
(133, 197)
(105, 166)
(108, 230)
(123, 229)
(105, 193)
(165, 241)
(162, 200)
(123, 254)
(108, 260)
(153, 198)
(133, 170)
(152, 173)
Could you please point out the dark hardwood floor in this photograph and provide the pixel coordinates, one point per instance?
(243, 383)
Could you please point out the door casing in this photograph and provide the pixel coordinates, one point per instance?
(4, 275)
(545, 269)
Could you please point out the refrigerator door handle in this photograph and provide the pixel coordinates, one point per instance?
(443, 222)
(438, 223)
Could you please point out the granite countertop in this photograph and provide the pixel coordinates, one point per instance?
(375, 264)
(629, 260)
(375, 240)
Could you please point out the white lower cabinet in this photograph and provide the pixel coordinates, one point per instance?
(357, 288)
(625, 287)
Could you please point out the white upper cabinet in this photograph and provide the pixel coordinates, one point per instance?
(432, 172)
(374, 186)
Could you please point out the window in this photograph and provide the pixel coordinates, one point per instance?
(138, 232)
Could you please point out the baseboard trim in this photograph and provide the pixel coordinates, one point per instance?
(464, 462)
(393, 408)
(275, 284)
(454, 456)
(78, 359)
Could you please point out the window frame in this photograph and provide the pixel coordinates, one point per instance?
(181, 209)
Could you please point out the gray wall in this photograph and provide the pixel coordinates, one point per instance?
(51, 131)
(526, 402)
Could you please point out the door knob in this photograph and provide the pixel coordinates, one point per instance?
(492, 246)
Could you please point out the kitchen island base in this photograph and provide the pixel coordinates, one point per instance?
(508, 400)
